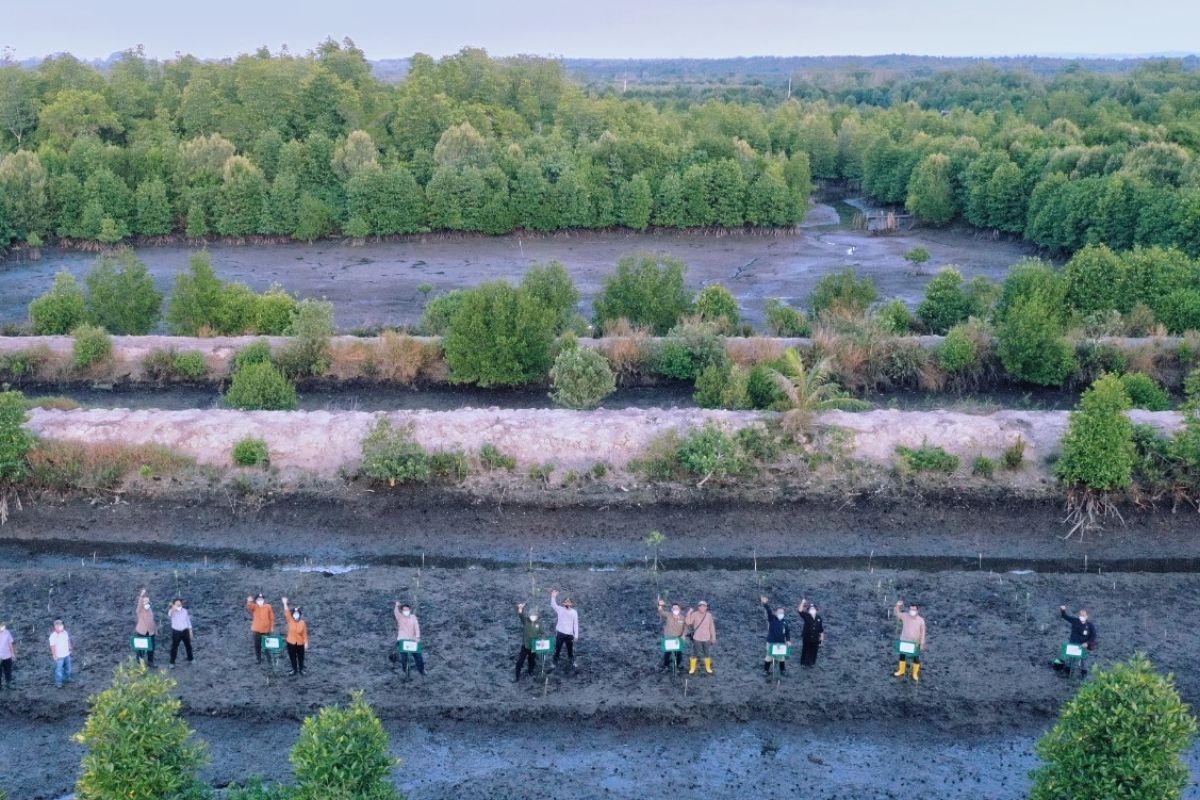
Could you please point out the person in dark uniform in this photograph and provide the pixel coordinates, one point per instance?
(531, 628)
(813, 634)
(778, 632)
(1083, 631)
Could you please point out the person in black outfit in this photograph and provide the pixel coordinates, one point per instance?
(1083, 631)
(813, 634)
(778, 632)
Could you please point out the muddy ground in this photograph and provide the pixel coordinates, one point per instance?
(376, 284)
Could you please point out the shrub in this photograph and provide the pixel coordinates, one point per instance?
(946, 303)
(60, 310)
(541, 473)
(257, 352)
(491, 457)
(917, 256)
(261, 386)
(1145, 392)
(137, 744)
(717, 305)
(783, 320)
(723, 386)
(758, 443)
(763, 388)
(1013, 455)
(449, 465)
(1097, 451)
(660, 460)
(1124, 734)
(690, 347)
(1031, 344)
(17, 365)
(190, 364)
(274, 311)
(984, 467)
(895, 317)
(709, 451)
(15, 441)
(169, 364)
(237, 312)
(646, 290)
(927, 459)
(581, 378)
(391, 454)
(553, 288)
(92, 345)
(499, 336)
(1096, 358)
(1179, 311)
(1095, 277)
(62, 465)
(344, 753)
(1028, 278)
(196, 298)
(121, 295)
(435, 318)
(843, 292)
(599, 470)
(958, 352)
(308, 352)
(250, 452)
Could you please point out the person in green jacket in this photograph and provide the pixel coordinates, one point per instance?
(531, 628)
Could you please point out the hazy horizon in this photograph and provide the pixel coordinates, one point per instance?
(620, 29)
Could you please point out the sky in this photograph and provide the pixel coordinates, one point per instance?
(605, 28)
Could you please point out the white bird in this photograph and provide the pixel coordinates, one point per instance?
(850, 251)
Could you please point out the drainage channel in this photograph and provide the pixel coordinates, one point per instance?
(49, 553)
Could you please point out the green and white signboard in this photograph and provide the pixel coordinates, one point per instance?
(540, 645)
(272, 644)
(141, 644)
(908, 648)
(408, 646)
(1075, 651)
(672, 644)
(778, 650)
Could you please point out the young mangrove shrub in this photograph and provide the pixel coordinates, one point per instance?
(500, 336)
(783, 320)
(1145, 392)
(843, 292)
(137, 744)
(709, 451)
(917, 256)
(169, 364)
(763, 389)
(647, 290)
(1097, 453)
(1013, 455)
(946, 302)
(121, 295)
(927, 458)
(1032, 277)
(758, 443)
(190, 364)
(261, 386)
(251, 452)
(958, 353)
(308, 352)
(691, 346)
(541, 473)
(1031, 345)
(15, 444)
(92, 345)
(1179, 311)
(717, 305)
(983, 467)
(344, 753)
(436, 316)
(895, 318)
(449, 465)
(1124, 734)
(492, 457)
(552, 287)
(257, 352)
(581, 377)
(61, 310)
(196, 298)
(391, 454)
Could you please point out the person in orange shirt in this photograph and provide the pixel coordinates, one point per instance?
(262, 621)
(297, 637)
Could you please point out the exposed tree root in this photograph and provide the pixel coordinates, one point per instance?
(1086, 510)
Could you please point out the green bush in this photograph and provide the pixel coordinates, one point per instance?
(61, 310)
(647, 290)
(1013, 455)
(895, 317)
(499, 336)
(137, 744)
(783, 320)
(391, 454)
(984, 467)
(927, 459)
(435, 318)
(717, 305)
(1124, 734)
(1032, 277)
(308, 352)
(491, 457)
(1179, 311)
(190, 364)
(581, 378)
(15, 440)
(917, 256)
(843, 291)
(1145, 392)
(758, 443)
(274, 311)
(250, 452)
(92, 345)
(946, 302)
(237, 312)
(121, 295)
(1031, 344)
(723, 385)
(1096, 358)
(1095, 278)
(763, 389)
(344, 754)
(551, 285)
(255, 789)
(710, 452)
(261, 386)
(450, 465)
(688, 349)
(1097, 452)
(196, 298)
(958, 352)
(257, 352)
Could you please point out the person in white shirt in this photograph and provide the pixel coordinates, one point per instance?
(566, 629)
(60, 651)
(8, 652)
(181, 629)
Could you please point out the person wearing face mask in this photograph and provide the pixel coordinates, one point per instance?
(778, 632)
(145, 626)
(297, 637)
(181, 629)
(912, 629)
(703, 636)
(566, 627)
(408, 628)
(813, 634)
(262, 621)
(1083, 632)
(674, 627)
(8, 654)
(61, 650)
(531, 628)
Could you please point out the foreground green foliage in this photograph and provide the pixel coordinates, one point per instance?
(261, 387)
(391, 455)
(250, 452)
(60, 310)
(647, 291)
(15, 440)
(581, 378)
(344, 754)
(1123, 735)
(1098, 452)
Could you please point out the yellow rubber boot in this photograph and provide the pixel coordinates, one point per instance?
(916, 672)
(692, 667)
(708, 666)
(903, 668)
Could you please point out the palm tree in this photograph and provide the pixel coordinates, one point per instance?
(809, 390)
